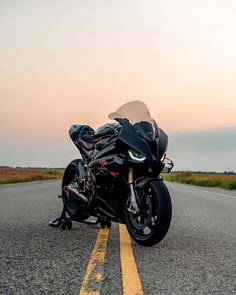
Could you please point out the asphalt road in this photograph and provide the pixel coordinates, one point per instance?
(198, 255)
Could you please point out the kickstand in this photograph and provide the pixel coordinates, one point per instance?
(63, 221)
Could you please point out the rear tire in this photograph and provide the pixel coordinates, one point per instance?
(73, 206)
(151, 225)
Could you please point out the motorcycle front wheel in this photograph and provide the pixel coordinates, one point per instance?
(151, 224)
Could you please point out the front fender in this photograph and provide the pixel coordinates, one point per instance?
(139, 186)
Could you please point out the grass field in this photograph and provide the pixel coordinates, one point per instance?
(14, 175)
(211, 180)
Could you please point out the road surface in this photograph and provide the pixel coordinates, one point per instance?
(198, 255)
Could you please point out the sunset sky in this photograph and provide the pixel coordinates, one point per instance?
(66, 62)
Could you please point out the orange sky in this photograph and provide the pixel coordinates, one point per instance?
(63, 63)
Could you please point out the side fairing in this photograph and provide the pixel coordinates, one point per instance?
(105, 169)
(107, 150)
(162, 142)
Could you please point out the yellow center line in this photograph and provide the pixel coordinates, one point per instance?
(130, 277)
(92, 283)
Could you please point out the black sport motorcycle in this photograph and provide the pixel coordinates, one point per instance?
(118, 178)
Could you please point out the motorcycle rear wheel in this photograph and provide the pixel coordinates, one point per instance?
(73, 206)
(152, 223)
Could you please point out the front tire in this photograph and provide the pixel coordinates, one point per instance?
(151, 225)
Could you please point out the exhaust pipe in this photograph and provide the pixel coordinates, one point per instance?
(75, 193)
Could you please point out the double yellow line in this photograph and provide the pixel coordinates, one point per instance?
(92, 283)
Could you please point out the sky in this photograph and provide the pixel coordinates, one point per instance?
(67, 62)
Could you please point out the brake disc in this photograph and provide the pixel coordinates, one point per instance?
(142, 220)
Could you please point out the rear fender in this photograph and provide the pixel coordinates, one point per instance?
(78, 164)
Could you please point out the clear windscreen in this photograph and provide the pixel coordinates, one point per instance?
(136, 112)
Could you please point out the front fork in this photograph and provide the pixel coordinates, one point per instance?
(132, 203)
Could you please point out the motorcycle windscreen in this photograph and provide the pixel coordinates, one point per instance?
(138, 115)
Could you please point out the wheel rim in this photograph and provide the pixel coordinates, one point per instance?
(144, 223)
(142, 220)
(72, 203)
(73, 206)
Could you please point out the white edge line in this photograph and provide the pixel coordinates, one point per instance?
(213, 193)
(209, 192)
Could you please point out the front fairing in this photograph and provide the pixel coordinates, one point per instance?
(131, 139)
(141, 133)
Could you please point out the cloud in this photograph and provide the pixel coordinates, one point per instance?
(213, 150)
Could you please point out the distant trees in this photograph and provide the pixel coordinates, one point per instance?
(205, 172)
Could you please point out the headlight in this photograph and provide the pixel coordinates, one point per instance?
(136, 156)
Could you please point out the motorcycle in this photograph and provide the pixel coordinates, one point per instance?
(118, 177)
